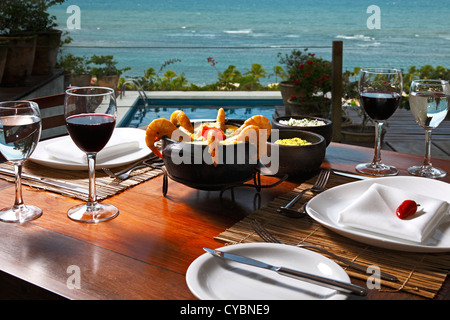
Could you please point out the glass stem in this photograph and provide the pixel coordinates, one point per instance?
(427, 158)
(92, 201)
(377, 153)
(18, 203)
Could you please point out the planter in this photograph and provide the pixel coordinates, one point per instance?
(3, 55)
(109, 81)
(354, 134)
(20, 60)
(287, 90)
(313, 109)
(81, 80)
(47, 46)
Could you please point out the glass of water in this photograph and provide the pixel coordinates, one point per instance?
(20, 130)
(429, 100)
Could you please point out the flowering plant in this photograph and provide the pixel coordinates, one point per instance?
(310, 75)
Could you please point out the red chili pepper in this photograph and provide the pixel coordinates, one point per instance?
(220, 135)
(406, 209)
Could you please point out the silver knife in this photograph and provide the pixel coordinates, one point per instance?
(352, 175)
(307, 277)
(47, 181)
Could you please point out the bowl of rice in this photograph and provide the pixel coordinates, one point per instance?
(317, 125)
(301, 153)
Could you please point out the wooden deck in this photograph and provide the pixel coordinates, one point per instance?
(405, 135)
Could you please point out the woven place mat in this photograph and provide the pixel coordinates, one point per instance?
(419, 273)
(105, 186)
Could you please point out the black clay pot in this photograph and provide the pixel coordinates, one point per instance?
(325, 131)
(298, 161)
(191, 164)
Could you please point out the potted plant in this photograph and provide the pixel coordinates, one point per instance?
(4, 44)
(309, 82)
(77, 71)
(48, 38)
(107, 73)
(14, 26)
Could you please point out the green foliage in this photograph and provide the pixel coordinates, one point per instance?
(75, 65)
(106, 66)
(312, 75)
(17, 16)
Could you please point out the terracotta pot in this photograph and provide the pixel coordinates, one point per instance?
(287, 90)
(3, 56)
(82, 80)
(109, 81)
(47, 46)
(313, 109)
(20, 60)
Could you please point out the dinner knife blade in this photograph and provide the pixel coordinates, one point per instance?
(50, 182)
(300, 275)
(351, 175)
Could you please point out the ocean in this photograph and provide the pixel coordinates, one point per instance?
(143, 34)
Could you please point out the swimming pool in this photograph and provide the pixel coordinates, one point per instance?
(139, 116)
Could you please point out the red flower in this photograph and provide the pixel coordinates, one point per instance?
(301, 66)
(306, 74)
(297, 81)
(310, 62)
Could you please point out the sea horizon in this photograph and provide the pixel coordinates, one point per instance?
(144, 34)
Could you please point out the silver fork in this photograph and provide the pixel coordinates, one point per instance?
(269, 237)
(125, 175)
(318, 186)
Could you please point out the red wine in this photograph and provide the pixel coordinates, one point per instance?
(90, 132)
(380, 106)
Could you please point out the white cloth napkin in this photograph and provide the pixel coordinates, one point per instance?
(375, 211)
(66, 150)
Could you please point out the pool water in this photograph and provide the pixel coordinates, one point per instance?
(139, 116)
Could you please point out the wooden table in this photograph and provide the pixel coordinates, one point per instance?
(143, 253)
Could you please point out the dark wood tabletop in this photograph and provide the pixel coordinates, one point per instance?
(144, 252)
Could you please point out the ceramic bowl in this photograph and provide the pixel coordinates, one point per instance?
(297, 161)
(326, 131)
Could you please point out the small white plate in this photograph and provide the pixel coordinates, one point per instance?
(41, 156)
(213, 278)
(325, 208)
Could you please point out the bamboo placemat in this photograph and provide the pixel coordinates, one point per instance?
(419, 273)
(105, 186)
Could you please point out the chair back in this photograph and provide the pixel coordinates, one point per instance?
(52, 113)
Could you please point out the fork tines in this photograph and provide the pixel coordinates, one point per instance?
(266, 236)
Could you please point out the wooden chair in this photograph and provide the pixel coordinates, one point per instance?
(52, 113)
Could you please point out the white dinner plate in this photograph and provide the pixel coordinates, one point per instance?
(213, 278)
(325, 207)
(41, 156)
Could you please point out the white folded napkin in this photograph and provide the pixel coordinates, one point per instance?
(375, 211)
(66, 150)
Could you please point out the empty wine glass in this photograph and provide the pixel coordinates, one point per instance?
(20, 131)
(429, 101)
(90, 114)
(380, 92)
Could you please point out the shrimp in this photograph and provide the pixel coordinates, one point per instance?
(249, 133)
(220, 121)
(180, 118)
(159, 128)
(213, 139)
(260, 121)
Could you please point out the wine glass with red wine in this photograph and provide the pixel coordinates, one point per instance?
(429, 102)
(380, 93)
(20, 130)
(90, 114)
